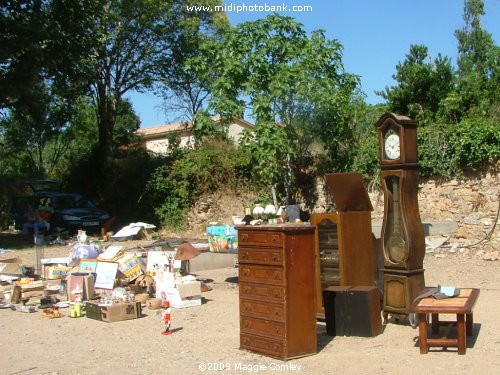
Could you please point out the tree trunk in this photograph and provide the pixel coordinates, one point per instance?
(107, 119)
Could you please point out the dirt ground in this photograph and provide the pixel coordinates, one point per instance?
(206, 338)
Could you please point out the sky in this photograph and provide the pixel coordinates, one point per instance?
(376, 36)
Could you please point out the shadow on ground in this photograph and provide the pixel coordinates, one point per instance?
(13, 241)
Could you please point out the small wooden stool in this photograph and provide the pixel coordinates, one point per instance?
(461, 305)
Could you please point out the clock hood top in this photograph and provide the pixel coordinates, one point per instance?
(404, 128)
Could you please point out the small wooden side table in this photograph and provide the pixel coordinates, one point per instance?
(461, 305)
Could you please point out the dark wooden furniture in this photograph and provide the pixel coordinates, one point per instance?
(344, 244)
(462, 306)
(277, 294)
(335, 304)
(352, 311)
(402, 237)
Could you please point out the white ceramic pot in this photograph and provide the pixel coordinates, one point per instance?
(258, 210)
(270, 209)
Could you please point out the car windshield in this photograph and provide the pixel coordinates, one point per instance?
(71, 201)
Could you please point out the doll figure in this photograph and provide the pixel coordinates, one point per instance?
(166, 317)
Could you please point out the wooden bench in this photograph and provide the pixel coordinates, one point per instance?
(462, 306)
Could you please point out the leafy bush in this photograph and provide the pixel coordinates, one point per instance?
(175, 187)
(366, 159)
(474, 141)
(434, 151)
(445, 150)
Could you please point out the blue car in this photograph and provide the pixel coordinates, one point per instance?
(68, 211)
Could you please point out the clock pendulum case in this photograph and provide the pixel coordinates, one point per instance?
(402, 237)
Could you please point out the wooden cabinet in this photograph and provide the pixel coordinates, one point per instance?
(277, 290)
(344, 252)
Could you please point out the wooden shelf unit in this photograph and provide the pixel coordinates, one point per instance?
(343, 252)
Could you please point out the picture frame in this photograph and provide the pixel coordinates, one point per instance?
(106, 275)
(88, 265)
(158, 259)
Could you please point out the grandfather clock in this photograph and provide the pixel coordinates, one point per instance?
(403, 241)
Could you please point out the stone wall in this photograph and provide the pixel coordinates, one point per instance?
(471, 202)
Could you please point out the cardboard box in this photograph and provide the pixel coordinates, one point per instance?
(56, 272)
(11, 267)
(27, 291)
(80, 285)
(129, 267)
(189, 289)
(55, 268)
(185, 295)
(113, 313)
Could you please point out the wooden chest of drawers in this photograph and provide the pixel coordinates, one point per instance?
(277, 290)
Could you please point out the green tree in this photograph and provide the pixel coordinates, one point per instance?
(136, 40)
(41, 76)
(184, 90)
(478, 65)
(283, 76)
(422, 83)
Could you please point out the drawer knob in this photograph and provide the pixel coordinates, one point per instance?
(274, 239)
(244, 255)
(244, 237)
(275, 258)
(277, 276)
(246, 272)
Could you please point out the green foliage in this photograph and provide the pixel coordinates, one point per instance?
(474, 142)
(285, 76)
(119, 189)
(434, 151)
(177, 184)
(421, 85)
(458, 111)
(366, 159)
(268, 147)
(478, 79)
(204, 126)
(445, 150)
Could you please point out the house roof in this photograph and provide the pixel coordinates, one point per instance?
(159, 130)
(165, 128)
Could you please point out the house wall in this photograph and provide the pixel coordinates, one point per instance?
(235, 132)
(159, 143)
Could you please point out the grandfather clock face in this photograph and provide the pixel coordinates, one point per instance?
(392, 144)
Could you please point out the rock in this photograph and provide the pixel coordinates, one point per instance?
(435, 242)
(472, 219)
(486, 222)
(461, 233)
(494, 255)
